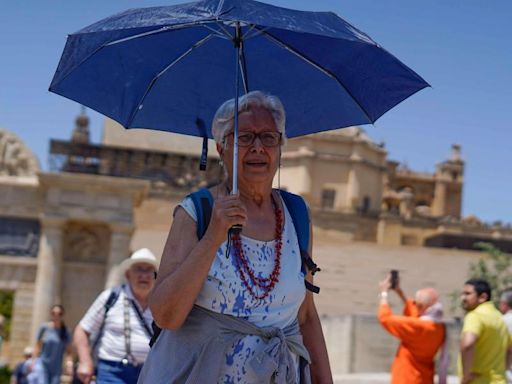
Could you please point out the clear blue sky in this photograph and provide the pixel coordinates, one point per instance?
(462, 48)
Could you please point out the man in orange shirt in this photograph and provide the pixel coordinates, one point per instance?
(421, 334)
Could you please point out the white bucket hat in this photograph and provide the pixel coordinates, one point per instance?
(143, 255)
(27, 351)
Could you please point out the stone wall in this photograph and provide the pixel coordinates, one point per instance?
(351, 273)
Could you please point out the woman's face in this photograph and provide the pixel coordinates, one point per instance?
(141, 277)
(56, 313)
(257, 162)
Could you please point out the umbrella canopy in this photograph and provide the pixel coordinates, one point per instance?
(169, 68)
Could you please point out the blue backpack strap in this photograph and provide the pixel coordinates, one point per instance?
(203, 203)
(300, 217)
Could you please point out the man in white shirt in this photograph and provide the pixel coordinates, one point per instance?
(119, 321)
(506, 309)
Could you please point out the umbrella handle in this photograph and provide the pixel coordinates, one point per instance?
(235, 229)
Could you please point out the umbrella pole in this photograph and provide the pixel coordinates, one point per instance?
(234, 190)
(237, 42)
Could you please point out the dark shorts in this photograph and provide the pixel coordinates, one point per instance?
(114, 372)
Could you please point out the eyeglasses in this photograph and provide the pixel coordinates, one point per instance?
(143, 269)
(267, 139)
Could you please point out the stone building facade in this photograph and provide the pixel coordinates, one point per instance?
(62, 238)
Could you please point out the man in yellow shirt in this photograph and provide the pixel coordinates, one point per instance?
(486, 345)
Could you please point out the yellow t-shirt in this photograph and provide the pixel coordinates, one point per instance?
(492, 343)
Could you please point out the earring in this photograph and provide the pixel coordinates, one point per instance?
(221, 162)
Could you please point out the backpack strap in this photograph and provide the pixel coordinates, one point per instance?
(203, 203)
(301, 221)
(111, 300)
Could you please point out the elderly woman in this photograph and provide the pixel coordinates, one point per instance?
(421, 333)
(236, 310)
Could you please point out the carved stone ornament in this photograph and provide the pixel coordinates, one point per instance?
(16, 159)
(86, 243)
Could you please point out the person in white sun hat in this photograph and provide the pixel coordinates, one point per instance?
(112, 339)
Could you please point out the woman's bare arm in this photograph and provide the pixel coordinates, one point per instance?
(314, 342)
(313, 336)
(186, 261)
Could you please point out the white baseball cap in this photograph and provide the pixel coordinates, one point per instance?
(142, 255)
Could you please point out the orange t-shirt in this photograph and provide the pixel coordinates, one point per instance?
(419, 342)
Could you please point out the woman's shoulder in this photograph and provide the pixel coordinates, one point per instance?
(46, 325)
(43, 328)
(291, 198)
(188, 204)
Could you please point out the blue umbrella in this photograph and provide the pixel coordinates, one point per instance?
(169, 68)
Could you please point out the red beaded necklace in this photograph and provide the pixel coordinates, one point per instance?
(265, 284)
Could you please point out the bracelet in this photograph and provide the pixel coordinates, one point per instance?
(384, 295)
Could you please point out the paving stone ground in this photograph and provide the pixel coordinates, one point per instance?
(375, 378)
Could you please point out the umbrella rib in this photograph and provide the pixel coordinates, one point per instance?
(217, 32)
(174, 62)
(258, 32)
(317, 66)
(245, 35)
(219, 6)
(225, 30)
(160, 30)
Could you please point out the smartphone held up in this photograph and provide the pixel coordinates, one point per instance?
(394, 278)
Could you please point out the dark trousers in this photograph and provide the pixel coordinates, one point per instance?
(114, 372)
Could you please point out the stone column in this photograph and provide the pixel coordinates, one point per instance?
(304, 181)
(119, 250)
(439, 203)
(49, 270)
(406, 203)
(353, 189)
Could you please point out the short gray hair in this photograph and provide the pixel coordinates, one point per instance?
(506, 297)
(224, 117)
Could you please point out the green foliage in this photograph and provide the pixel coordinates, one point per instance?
(496, 269)
(5, 375)
(6, 302)
(455, 304)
